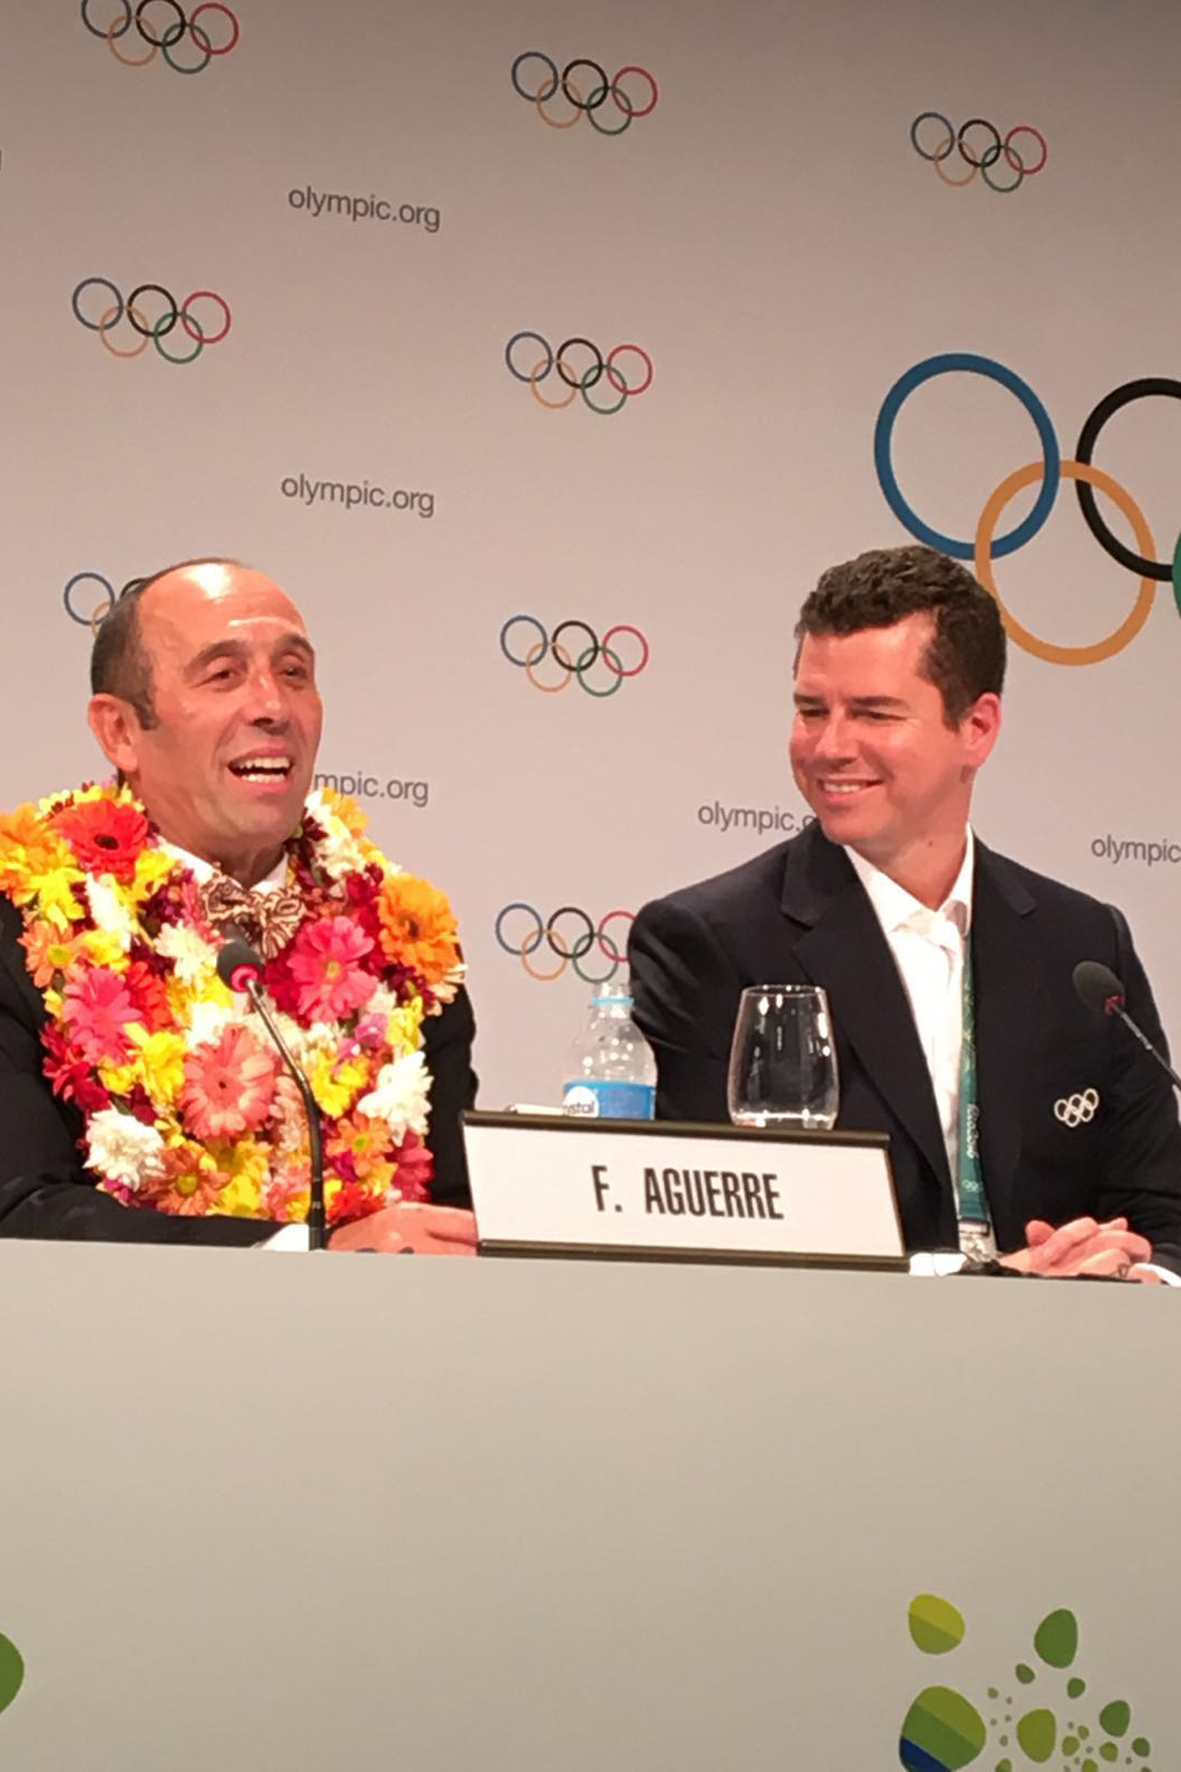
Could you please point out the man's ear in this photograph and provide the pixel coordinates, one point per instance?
(116, 726)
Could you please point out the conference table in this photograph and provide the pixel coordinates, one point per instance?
(569, 1516)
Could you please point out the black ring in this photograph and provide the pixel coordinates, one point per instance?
(578, 381)
(1161, 570)
(132, 584)
(592, 103)
(123, 28)
(576, 953)
(166, 41)
(594, 646)
(150, 331)
(990, 155)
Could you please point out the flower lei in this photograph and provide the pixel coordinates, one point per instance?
(187, 1108)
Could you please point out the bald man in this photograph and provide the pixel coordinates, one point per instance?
(139, 1099)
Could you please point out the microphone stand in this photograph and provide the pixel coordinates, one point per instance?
(316, 1227)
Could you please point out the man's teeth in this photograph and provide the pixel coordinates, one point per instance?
(844, 787)
(259, 768)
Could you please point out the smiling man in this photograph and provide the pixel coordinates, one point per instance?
(922, 936)
(140, 1099)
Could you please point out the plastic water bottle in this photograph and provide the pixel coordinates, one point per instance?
(610, 1068)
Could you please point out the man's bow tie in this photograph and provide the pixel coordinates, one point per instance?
(267, 919)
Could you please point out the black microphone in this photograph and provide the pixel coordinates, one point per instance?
(241, 968)
(1102, 991)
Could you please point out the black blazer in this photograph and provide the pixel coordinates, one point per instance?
(44, 1190)
(798, 913)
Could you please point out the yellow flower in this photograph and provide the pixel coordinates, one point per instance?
(31, 855)
(335, 1089)
(244, 1164)
(402, 1027)
(151, 867)
(159, 1062)
(55, 895)
(120, 1079)
(102, 947)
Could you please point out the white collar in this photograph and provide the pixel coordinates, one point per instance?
(203, 871)
(894, 906)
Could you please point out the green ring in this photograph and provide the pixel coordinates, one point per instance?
(592, 107)
(199, 69)
(605, 410)
(192, 356)
(1003, 190)
(591, 653)
(589, 978)
(1177, 575)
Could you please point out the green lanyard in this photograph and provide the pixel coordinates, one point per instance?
(971, 1200)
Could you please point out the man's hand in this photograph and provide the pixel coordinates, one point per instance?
(1084, 1246)
(410, 1225)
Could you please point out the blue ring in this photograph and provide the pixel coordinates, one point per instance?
(914, 135)
(539, 55)
(884, 431)
(531, 943)
(87, 621)
(511, 622)
(123, 28)
(105, 283)
(516, 339)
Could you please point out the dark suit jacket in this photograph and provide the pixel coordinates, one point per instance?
(798, 913)
(45, 1192)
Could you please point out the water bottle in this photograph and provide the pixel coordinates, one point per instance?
(610, 1068)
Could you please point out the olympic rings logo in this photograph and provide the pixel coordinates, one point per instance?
(149, 330)
(108, 596)
(626, 104)
(579, 379)
(975, 153)
(162, 33)
(575, 663)
(546, 933)
(986, 546)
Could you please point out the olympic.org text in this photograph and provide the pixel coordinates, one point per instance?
(371, 787)
(370, 208)
(352, 494)
(1117, 849)
(753, 818)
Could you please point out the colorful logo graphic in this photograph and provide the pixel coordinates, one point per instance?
(986, 546)
(944, 1730)
(978, 145)
(578, 377)
(633, 92)
(103, 316)
(135, 37)
(559, 946)
(574, 662)
(12, 1672)
(90, 607)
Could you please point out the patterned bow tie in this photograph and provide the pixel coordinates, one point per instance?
(267, 919)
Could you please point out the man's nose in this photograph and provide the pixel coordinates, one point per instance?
(834, 739)
(267, 704)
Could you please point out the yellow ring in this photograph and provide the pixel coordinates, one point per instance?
(1044, 649)
(957, 184)
(536, 651)
(545, 977)
(570, 121)
(551, 405)
(127, 60)
(107, 320)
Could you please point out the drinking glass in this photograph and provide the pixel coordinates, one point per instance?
(783, 1059)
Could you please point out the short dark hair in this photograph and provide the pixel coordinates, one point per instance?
(120, 663)
(966, 655)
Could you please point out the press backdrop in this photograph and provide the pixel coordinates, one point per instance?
(298, 283)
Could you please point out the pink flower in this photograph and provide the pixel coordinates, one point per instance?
(415, 1170)
(97, 1008)
(228, 1086)
(325, 963)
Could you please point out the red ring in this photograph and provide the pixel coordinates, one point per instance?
(212, 338)
(1019, 165)
(618, 958)
(632, 69)
(216, 6)
(624, 627)
(640, 352)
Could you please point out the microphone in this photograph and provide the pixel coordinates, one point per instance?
(1102, 991)
(241, 968)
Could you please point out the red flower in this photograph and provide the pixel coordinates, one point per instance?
(353, 1202)
(106, 838)
(149, 995)
(416, 1168)
(69, 1074)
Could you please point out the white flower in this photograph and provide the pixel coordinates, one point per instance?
(208, 1020)
(110, 913)
(402, 1096)
(122, 1148)
(339, 853)
(192, 957)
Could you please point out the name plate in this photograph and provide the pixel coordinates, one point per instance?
(656, 1188)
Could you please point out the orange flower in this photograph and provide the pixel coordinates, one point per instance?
(363, 1140)
(28, 851)
(106, 837)
(49, 952)
(418, 928)
(346, 809)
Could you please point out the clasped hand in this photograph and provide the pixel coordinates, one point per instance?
(1084, 1246)
(410, 1226)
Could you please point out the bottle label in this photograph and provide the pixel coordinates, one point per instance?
(610, 1101)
